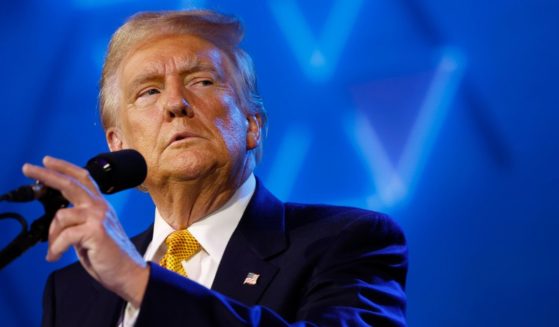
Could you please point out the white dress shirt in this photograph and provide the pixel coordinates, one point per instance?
(212, 232)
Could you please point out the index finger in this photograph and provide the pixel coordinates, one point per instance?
(71, 189)
(68, 168)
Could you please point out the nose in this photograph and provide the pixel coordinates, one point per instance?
(177, 105)
(179, 109)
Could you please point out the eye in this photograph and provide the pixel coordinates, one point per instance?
(149, 92)
(204, 82)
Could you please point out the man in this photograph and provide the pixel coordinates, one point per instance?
(177, 88)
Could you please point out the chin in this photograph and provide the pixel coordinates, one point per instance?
(189, 167)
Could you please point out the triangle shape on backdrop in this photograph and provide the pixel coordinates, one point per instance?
(391, 106)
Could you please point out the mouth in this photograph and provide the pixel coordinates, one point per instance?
(181, 136)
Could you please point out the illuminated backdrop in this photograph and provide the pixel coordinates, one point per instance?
(443, 114)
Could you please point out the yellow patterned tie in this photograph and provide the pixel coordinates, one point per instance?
(181, 245)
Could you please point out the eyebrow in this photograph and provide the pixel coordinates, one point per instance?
(153, 72)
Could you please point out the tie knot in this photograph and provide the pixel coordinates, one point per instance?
(182, 236)
(181, 246)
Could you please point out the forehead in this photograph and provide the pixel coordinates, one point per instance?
(159, 55)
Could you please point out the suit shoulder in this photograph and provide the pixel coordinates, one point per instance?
(343, 218)
(346, 239)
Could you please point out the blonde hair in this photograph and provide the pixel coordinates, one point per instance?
(225, 32)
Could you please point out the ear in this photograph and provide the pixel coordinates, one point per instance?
(114, 138)
(253, 131)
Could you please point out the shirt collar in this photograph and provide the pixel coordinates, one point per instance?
(213, 231)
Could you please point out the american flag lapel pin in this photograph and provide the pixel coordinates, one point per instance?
(251, 279)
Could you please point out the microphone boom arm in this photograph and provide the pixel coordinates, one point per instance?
(39, 231)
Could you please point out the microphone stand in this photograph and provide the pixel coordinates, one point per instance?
(52, 201)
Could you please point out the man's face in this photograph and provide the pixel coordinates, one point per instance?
(178, 108)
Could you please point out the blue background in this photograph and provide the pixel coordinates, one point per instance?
(440, 113)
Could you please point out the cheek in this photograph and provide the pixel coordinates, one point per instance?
(231, 124)
(141, 126)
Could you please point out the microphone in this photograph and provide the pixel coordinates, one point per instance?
(112, 171)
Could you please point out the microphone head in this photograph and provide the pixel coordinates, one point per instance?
(117, 171)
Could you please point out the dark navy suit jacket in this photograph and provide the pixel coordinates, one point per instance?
(317, 266)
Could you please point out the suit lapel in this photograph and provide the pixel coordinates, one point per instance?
(141, 241)
(259, 236)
